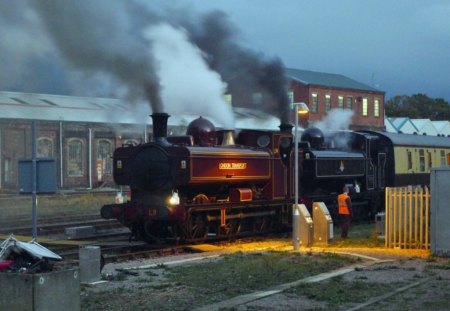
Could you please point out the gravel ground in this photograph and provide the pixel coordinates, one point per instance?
(431, 292)
(430, 278)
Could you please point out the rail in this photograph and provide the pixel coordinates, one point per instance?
(407, 220)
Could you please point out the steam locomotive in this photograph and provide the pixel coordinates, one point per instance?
(213, 183)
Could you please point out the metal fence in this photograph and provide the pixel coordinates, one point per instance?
(407, 217)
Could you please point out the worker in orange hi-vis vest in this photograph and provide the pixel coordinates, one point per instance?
(345, 211)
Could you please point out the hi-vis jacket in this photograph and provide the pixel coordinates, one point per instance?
(344, 209)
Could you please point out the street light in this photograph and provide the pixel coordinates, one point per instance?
(301, 110)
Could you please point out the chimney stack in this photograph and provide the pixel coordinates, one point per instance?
(159, 126)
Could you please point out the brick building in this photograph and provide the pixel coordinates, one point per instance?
(81, 133)
(324, 91)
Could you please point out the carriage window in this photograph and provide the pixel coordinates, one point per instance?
(443, 163)
(75, 157)
(44, 147)
(430, 161)
(421, 160)
(104, 160)
(409, 154)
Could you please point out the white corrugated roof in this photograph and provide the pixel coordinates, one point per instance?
(107, 110)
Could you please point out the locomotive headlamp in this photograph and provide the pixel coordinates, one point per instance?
(174, 199)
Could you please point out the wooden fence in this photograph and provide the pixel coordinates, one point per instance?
(407, 218)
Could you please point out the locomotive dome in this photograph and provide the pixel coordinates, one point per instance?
(202, 131)
(314, 136)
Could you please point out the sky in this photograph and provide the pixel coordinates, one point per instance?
(400, 47)
(100, 48)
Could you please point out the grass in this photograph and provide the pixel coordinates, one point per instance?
(57, 205)
(336, 291)
(188, 287)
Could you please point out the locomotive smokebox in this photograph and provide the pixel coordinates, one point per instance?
(286, 127)
(160, 125)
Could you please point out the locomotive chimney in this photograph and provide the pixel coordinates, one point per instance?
(286, 127)
(228, 138)
(159, 126)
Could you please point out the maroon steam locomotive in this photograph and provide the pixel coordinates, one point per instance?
(214, 183)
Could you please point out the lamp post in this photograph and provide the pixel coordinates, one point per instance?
(301, 109)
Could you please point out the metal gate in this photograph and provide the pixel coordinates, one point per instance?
(407, 217)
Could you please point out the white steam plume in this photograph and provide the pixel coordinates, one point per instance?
(336, 119)
(188, 86)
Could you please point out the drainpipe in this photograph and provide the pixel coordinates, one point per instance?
(145, 134)
(90, 158)
(61, 155)
(1, 175)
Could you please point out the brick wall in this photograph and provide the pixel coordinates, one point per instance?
(303, 93)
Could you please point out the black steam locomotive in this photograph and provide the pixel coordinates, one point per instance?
(215, 183)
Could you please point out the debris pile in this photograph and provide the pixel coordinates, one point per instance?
(25, 257)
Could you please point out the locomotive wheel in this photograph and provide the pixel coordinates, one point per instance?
(154, 233)
(232, 228)
(196, 227)
(262, 224)
(199, 230)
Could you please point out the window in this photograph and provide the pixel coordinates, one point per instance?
(443, 162)
(350, 102)
(364, 107)
(327, 102)
(315, 103)
(8, 170)
(376, 108)
(409, 156)
(104, 157)
(421, 160)
(75, 157)
(430, 160)
(341, 102)
(44, 147)
(290, 95)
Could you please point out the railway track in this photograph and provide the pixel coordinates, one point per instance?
(56, 225)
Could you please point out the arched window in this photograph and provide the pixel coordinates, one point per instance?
(44, 147)
(75, 157)
(104, 160)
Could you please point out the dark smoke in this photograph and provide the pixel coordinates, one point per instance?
(100, 36)
(106, 36)
(250, 71)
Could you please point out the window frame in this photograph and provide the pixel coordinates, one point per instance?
(71, 162)
(327, 102)
(349, 103)
(365, 107)
(46, 139)
(314, 102)
(106, 161)
(341, 102)
(376, 108)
